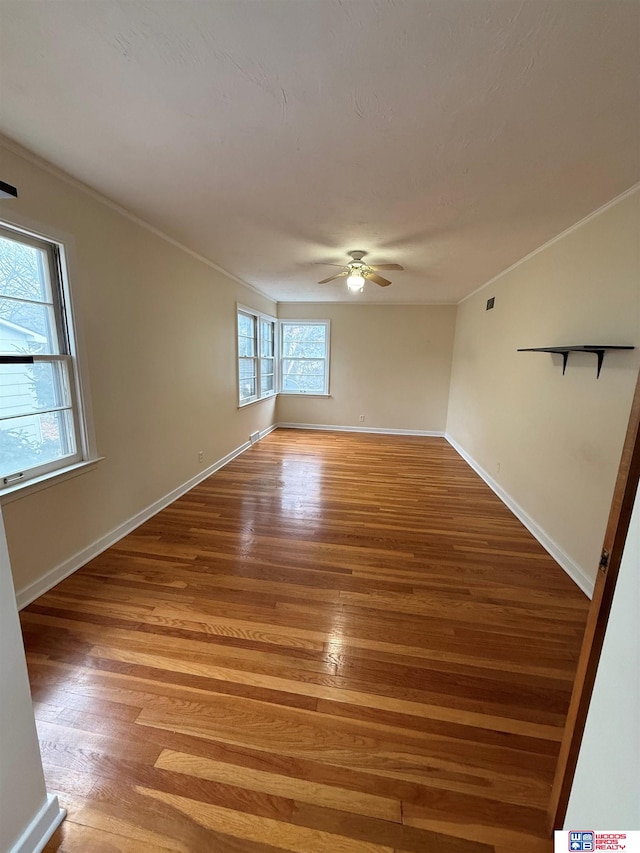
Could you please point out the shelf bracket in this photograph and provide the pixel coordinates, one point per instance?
(600, 355)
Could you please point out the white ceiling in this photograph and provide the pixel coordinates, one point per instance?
(452, 136)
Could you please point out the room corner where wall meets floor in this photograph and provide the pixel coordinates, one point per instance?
(428, 369)
(550, 441)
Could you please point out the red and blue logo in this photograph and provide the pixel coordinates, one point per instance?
(581, 841)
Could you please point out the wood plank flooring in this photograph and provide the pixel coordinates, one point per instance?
(339, 643)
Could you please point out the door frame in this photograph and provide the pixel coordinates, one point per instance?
(614, 540)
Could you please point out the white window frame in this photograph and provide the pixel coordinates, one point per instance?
(59, 251)
(326, 358)
(258, 317)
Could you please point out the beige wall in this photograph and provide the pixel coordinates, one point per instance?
(159, 328)
(390, 363)
(557, 439)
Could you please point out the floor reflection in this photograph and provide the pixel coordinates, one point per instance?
(301, 488)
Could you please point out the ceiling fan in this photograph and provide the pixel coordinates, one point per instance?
(358, 272)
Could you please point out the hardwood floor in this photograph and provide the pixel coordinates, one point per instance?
(339, 643)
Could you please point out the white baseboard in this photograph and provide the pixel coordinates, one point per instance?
(575, 572)
(376, 430)
(43, 584)
(41, 828)
(266, 431)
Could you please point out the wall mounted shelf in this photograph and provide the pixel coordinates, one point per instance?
(598, 349)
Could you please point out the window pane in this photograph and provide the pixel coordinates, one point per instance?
(267, 336)
(24, 272)
(302, 349)
(267, 383)
(246, 325)
(247, 388)
(303, 384)
(247, 368)
(26, 327)
(33, 440)
(305, 367)
(304, 332)
(246, 347)
(26, 388)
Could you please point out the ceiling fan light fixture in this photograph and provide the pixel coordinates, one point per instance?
(355, 282)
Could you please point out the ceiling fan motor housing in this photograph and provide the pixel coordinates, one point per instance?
(357, 271)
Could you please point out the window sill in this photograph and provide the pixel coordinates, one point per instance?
(259, 400)
(22, 490)
(281, 394)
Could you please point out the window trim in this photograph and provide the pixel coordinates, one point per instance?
(258, 317)
(60, 248)
(327, 358)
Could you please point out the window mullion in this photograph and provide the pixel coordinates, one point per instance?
(21, 299)
(44, 411)
(258, 351)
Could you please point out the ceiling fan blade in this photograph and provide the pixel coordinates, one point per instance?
(331, 277)
(383, 282)
(326, 264)
(386, 266)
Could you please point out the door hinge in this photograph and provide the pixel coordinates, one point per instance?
(604, 561)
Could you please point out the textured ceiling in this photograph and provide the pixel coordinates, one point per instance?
(452, 136)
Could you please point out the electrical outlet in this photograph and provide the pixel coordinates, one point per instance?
(361, 419)
(497, 467)
(201, 456)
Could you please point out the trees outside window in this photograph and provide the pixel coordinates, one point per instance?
(280, 356)
(304, 356)
(40, 428)
(256, 355)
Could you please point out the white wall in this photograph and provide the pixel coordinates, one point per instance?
(606, 788)
(553, 442)
(23, 797)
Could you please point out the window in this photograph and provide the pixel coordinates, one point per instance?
(301, 361)
(304, 356)
(256, 356)
(267, 357)
(40, 426)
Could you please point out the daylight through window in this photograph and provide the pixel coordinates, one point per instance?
(256, 355)
(304, 361)
(39, 417)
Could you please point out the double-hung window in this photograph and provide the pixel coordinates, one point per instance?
(267, 356)
(304, 357)
(280, 356)
(256, 355)
(40, 422)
